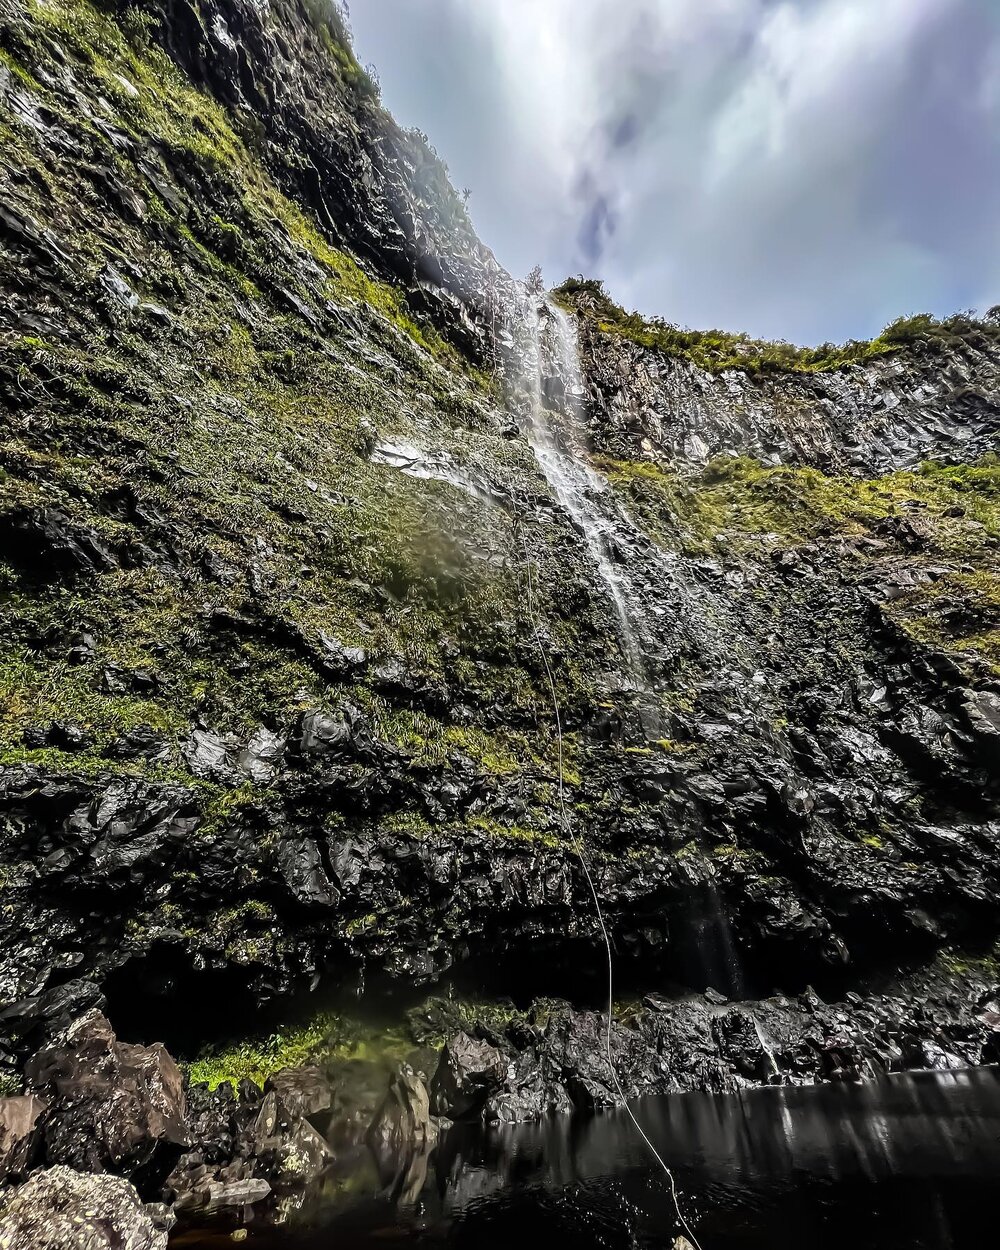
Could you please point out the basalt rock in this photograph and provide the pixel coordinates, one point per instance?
(288, 594)
(249, 1144)
(20, 1135)
(553, 1058)
(403, 1134)
(892, 412)
(404, 1119)
(109, 1107)
(60, 1209)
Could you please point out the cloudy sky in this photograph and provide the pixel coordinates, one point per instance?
(801, 169)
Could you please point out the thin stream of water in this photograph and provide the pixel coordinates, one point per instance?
(551, 375)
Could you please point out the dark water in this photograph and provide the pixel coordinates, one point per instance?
(911, 1162)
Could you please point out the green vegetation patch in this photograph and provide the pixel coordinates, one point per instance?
(736, 498)
(327, 1038)
(257, 1059)
(957, 611)
(717, 350)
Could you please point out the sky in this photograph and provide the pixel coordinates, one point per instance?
(799, 169)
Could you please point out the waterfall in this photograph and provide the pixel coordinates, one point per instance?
(547, 393)
(552, 391)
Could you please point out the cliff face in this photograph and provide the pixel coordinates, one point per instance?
(277, 552)
(931, 400)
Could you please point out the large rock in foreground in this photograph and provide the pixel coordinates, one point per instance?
(65, 1210)
(112, 1107)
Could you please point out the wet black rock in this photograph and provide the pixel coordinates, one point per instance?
(403, 1136)
(110, 1107)
(20, 1135)
(214, 798)
(403, 1122)
(303, 1092)
(248, 1143)
(469, 1072)
(555, 1058)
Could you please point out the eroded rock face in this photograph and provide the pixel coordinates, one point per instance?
(554, 1058)
(863, 419)
(60, 1209)
(285, 714)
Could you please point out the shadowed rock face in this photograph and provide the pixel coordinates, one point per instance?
(276, 558)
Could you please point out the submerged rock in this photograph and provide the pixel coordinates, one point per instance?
(404, 1120)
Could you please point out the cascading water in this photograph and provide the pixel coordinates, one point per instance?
(551, 396)
(548, 393)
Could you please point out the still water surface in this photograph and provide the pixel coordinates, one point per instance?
(909, 1163)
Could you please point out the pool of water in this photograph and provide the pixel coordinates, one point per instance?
(908, 1163)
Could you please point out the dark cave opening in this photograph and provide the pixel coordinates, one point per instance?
(160, 997)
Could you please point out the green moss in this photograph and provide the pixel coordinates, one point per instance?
(411, 824)
(255, 1060)
(34, 692)
(361, 924)
(738, 498)
(326, 1039)
(718, 350)
(957, 611)
(11, 1085)
(517, 833)
(965, 963)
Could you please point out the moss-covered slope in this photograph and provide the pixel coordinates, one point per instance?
(275, 562)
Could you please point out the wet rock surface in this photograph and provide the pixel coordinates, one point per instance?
(863, 419)
(109, 1107)
(554, 1058)
(60, 1209)
(275, 722)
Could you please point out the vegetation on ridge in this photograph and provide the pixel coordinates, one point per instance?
(717, 350)
(943, 520)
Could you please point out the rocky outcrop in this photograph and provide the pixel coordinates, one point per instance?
(109, 1107)
(863, 419)
(248, 1144)
(60, 1209)
(554, 1058)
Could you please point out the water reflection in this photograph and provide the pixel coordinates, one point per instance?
(904, 1163)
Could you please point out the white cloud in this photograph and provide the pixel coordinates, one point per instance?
(802, 168)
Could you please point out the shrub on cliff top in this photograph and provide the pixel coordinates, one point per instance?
(717, 350)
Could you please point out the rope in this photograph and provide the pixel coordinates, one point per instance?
(580, 852)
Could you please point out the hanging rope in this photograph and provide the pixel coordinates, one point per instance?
(580, 851)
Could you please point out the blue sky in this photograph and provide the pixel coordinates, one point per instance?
(800, 169)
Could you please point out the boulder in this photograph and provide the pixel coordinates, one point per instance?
(289, 1151)
(111, 1107)
(320, 732)
(303, 1091)
(403, 1121)
(403, 1136)
(470, 1070)
(20, 1135)
(60, 1209)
